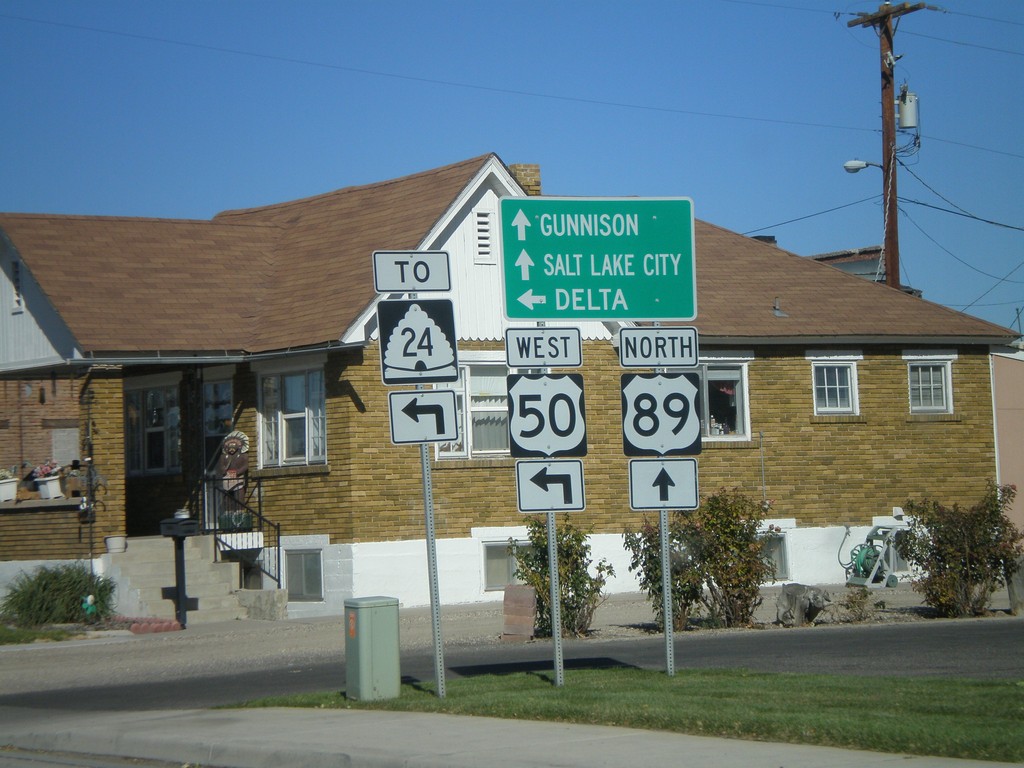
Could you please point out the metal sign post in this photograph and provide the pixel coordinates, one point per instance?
(666, 589)
(435, 595)
(418, 346)
(556, 602)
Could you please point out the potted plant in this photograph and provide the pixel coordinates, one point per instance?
(8, 485)
(47, 477)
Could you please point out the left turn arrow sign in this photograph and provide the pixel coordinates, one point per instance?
(424, 416)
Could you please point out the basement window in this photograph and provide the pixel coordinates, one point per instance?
(773, 549)
(304, 570)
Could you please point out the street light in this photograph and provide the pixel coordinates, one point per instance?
(852, 166)
(891, 242)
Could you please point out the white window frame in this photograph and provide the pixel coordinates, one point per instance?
(273, 427)
(838, 360)
(933, 359)
(463, 392)
(732, 359)
(136, 394)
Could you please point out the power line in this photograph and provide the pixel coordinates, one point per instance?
(966, 45)
(965, 215)
(474, 86)
(953, 255)
(1000, 282)
(435, 81)
(809, 216)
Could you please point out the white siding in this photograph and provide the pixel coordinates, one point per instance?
(30, 330)
(476, 286)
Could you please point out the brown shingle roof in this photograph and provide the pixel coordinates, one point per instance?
(739, 278)
(299, 274)
(323, 276)
(141, 285)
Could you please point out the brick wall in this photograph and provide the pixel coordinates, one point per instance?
(819, 470)
(528, 176)
(30, 412)
(57, 532)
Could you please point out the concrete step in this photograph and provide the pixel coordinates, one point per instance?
(147, 566)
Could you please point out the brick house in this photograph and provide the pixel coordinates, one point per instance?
(833, 397)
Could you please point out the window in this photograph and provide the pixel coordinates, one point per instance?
(152, 430)
(217, 415)
(930, 381)
(293, 422)
(304, 575)
(773, 549)
(834, 383)
(499, 565)
(723, 401)
(483, 428)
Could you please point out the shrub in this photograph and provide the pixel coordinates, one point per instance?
(645, 550)
(961, 556)
(857, 606)
(717, 560)
(580, 590)
(55, 595)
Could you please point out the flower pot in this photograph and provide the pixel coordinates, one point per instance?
(9, 489)
(49, 487)
(116, 544)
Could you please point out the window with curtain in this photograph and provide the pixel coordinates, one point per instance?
(292, 419)
(482, 399)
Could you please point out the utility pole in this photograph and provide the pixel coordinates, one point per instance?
(882, 21)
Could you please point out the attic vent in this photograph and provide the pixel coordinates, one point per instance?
(18, 304)
(485, 253)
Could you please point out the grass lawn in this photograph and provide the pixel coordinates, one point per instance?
(952, 718)
(15, 635)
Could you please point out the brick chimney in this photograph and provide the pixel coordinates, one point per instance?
(528, 176)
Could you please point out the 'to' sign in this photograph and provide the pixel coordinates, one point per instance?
(660, 414)
(546, 415)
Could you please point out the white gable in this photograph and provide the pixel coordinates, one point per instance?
(470, 232)
(31, 332)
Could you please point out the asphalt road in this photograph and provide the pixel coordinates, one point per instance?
(179, 670)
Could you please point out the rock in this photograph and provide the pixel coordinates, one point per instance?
(799, 604)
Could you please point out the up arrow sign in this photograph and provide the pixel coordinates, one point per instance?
(524, 262)
(521, 222)
(663, 482)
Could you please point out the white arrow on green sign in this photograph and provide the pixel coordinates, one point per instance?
(598, 258)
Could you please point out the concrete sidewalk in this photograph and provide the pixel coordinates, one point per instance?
(303, 738)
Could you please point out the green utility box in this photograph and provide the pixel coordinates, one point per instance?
(371, 648)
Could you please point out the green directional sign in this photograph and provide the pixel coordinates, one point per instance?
(598, 258)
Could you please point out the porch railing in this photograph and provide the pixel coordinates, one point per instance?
(233, 513)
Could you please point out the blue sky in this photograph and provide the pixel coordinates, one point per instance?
(749, 107)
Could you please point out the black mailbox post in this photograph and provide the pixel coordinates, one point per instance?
(179, 529)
